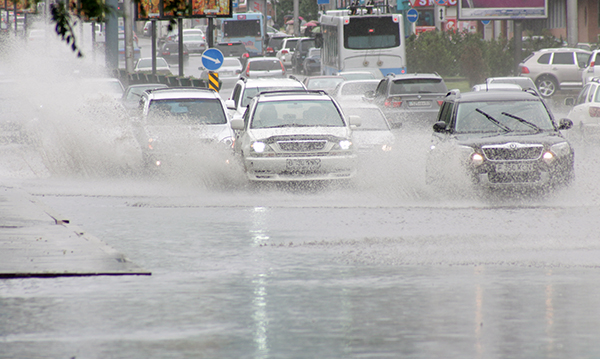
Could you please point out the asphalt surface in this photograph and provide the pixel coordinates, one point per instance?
(37, 242)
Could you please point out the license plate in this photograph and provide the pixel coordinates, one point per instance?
(419, 103)
(515, 167)
(225, 73)
(303, 165)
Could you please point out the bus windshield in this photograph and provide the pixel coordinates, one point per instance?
(363, 33)
(241, 28)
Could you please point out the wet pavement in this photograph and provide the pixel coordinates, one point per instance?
(37, 242)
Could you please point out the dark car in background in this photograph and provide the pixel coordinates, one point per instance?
(301, 51)
(170, 52)
(275, 43)
(234, 49)
(499, 139)
(312, 62)
(413, 99)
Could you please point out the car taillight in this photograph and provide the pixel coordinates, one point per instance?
(166, 53)
(248, 70)
(440, 102)
(594, 111)
(524, 70)
(284, 51)
(392, 102)
(246, 55)
(269, 49)
(282, 68)
(593, 63)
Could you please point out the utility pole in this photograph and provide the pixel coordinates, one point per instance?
(572, 18)
(128, 36)
(296, 18)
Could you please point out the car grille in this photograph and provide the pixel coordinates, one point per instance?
(515, 177)
(512, 152)
(302, 146)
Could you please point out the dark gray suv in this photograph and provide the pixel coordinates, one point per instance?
(300, 52)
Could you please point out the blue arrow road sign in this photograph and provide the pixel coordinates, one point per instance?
(412, 15)
(485, 22)
(212, 59)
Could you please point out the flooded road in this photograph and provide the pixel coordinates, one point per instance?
(381, 267)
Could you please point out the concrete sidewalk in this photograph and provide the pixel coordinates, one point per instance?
(36, 242)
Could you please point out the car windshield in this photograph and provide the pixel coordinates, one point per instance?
(265, 65)
(251, 92)
(147, 63)
(323, 83)
(186, 112)
(231, 62)
(400, 87)
(357, 76)
(371, 119)
(503, 116)
(192, 38)
(296, 113)
(358, 88)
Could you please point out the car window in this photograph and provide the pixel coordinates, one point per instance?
(232, 62)
(544, 59)
(306, 44)
(408, 86)
(291, 44)
(296, 113)
(500, 116)
(563, 58)
(265, 65)
(186, 112)
(446, 112)
(236, 94)
(382, 89)
(592, 91)
(597, 96)
(322, 83)
(583, 95)
(582, 58)
(253, 91)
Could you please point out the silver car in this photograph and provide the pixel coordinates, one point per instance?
(195, 40)
(295, 136)
(264, 67)
(555, 69)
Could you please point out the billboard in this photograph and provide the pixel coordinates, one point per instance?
(502, 9)
(168, 9)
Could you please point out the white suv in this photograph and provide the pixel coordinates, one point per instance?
(295, 136)
(593, 67)
(245, 89)
(177, 123)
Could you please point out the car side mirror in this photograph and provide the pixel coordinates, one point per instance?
(565, 124)
(569, 101)
(354, 121)
(230, 104)
(237, 123)
(440, 127)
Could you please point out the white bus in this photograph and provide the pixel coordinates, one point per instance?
(365, 42)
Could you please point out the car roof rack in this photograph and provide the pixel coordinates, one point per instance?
(290, 91)
(165, 89)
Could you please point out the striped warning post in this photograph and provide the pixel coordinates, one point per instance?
(213, 81)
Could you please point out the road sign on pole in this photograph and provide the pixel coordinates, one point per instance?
(212, 59)
(412, 15)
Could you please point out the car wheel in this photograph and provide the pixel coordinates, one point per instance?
(547, 86)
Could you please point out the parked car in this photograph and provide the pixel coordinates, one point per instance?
(147, 29)
(194, 40)
(264, 67)
(312, 62)
(170, 52)
(585, 113)
(325, 83)
(413, 99)
(301, 51)
(592, 67)
(99, 87)
(175, 123)
(275, 44)
(245, 89)
(555, 69)
(133, 94)
(353, 91)
(499, 139)
(145, 65)
(286, 51)
(295, 136)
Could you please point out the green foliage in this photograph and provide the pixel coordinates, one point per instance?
(468, 55)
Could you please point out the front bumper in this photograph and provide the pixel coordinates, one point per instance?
(309, 168)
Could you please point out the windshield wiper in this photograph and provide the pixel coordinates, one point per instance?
(536, 128)
(494, 121)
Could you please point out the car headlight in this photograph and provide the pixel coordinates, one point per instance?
(474, 158)
(386, 148)
(345, 144)
(561, 149)
(258, 146)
